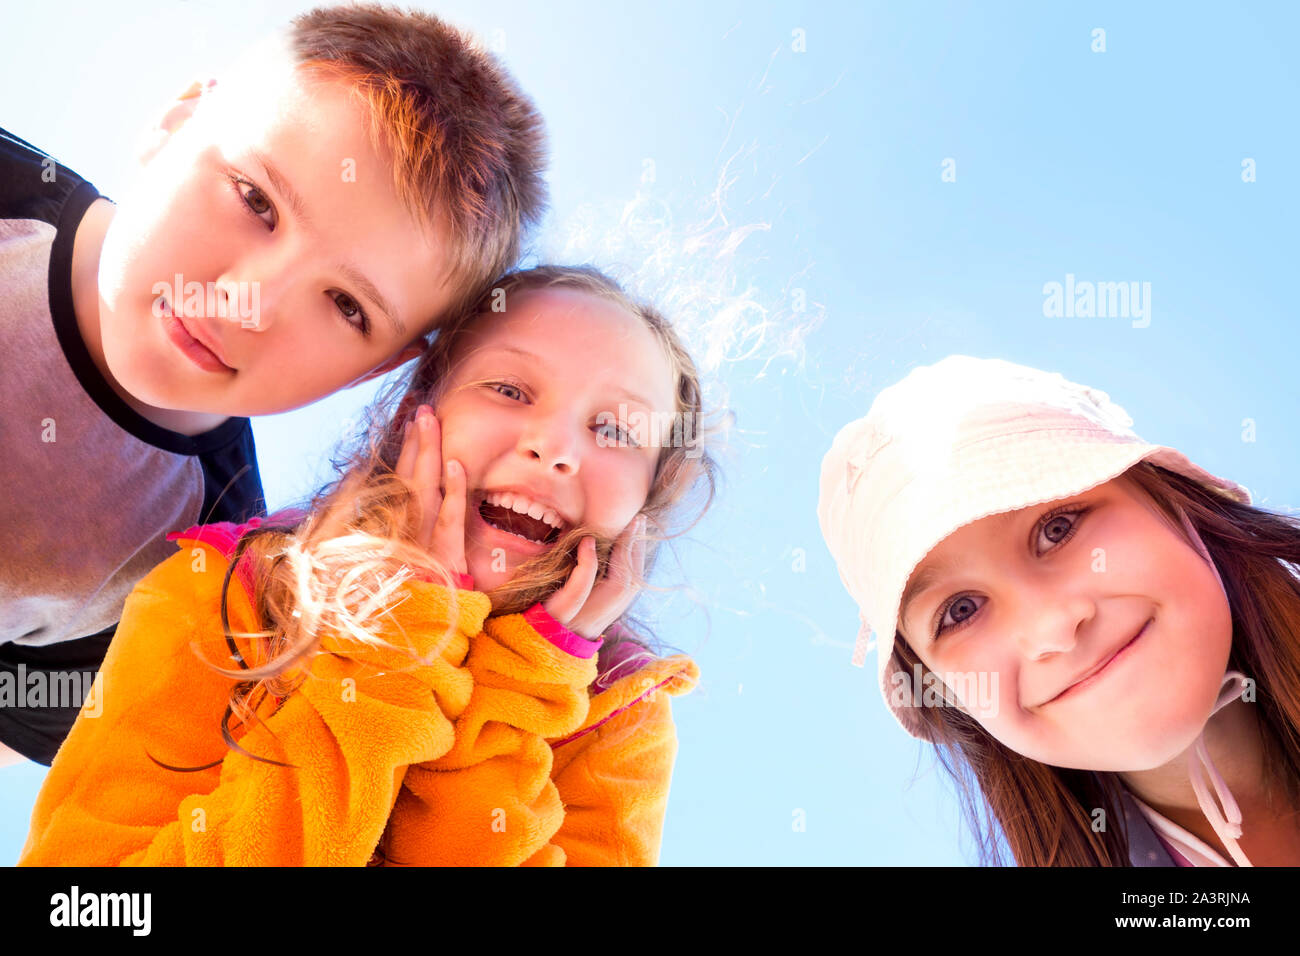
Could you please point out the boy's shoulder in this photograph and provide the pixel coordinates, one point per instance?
(90, 486)
(36, 187)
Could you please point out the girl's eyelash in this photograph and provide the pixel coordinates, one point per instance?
(520, 389)
(1075, 509)
(625, 436)
(235, 182)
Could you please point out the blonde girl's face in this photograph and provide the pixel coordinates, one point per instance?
(554, 399)
(1028, 604)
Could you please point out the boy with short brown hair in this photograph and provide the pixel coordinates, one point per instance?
(299, 227)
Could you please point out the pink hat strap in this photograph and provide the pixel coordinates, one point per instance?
(864, 643)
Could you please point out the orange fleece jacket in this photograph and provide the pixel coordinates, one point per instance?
(493, 753)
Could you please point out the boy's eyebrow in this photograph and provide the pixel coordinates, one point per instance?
(285, 189)
(282, 186)
(537, 361)
(368, 288)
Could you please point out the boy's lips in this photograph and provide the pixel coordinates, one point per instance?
(195, 350)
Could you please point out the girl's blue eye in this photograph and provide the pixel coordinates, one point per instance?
(1056, 528)
(497, 386)
(962, 608)
(1059, 527)
(621, 437)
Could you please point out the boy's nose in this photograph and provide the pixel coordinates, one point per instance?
(243, 302)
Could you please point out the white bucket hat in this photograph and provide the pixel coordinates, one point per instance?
(952, 443)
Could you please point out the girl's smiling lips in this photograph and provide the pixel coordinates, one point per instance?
(1095, 673)
(495, 536)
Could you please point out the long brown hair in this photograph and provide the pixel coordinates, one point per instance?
(1046, 813)
(343, 566)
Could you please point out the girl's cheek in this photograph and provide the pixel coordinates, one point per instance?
(608, 492)
(990, 670)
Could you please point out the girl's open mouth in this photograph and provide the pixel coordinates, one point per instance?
(514, 530)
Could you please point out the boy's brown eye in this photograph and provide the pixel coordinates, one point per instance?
(349, 307)
(257, 202)
(254, 201)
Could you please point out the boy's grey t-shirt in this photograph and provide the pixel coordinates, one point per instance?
(88, 487)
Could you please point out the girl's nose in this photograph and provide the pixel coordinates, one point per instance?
(554, 444)
(1050, 624)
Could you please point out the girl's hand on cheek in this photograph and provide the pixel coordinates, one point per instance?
(586, 607)
(439, 521)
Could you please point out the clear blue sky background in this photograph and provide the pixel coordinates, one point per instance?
(790, 210)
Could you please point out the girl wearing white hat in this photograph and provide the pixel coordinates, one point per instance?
(1084, 624)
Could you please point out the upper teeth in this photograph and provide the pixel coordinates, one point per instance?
(517, 502)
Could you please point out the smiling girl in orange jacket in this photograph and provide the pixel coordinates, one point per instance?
(413, 672)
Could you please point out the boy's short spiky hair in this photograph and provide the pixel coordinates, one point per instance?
(467, 145)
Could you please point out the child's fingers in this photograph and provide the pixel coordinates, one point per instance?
(428, 473)
(448, 537)
(618, 573)
(410, 445)
(628, 552)
(565, 603)
(617, 590)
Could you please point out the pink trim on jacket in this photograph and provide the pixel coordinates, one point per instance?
(225, 535)
(559, 635)
(613, 714)
(463, 581)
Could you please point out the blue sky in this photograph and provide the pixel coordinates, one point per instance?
(824, 196)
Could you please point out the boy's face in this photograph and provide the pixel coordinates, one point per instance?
(533, 402)
(1042, 596)
(268, 229)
